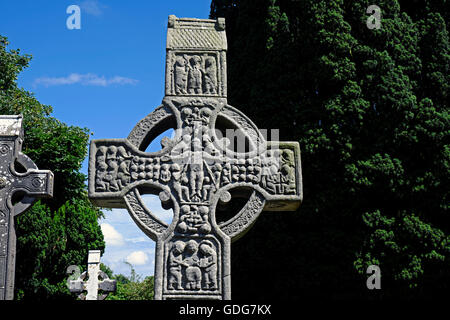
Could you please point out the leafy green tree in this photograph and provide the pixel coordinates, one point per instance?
(133, 287)
(58, 232)
(370, 110)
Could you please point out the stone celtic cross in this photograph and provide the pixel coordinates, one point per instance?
(20, 184)
(97, 280)
(197, 170)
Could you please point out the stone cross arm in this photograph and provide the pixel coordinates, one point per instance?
(33, 183)
(117, 166)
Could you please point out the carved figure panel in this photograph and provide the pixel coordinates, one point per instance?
(195, 74)
(193, 264)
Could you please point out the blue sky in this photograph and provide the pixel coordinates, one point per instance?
(105, 76)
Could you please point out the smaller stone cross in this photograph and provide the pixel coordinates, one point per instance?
(21, 183)
(93, 284)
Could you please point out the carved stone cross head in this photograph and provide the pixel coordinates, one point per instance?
(97, 280)
(216, 154)
(21, 183)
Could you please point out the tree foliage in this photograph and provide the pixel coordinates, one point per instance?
(370, 110)
(133, 287)
(58, 232)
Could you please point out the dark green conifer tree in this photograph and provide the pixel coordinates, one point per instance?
(370, 110)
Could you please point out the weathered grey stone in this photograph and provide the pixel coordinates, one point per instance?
(97, 280)
(197, 169)
(21, 183)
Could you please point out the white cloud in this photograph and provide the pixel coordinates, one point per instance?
(117, 217)
(88, 79)
(92, 7)
(139, 239)
(112, 237)
(137, 258)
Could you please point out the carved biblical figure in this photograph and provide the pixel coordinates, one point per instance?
(175, 265)
(195, 75)
(210, 76)
(181, 73)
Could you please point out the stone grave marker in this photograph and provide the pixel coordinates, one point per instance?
(196, 170)
(21, 183)
(97, 280)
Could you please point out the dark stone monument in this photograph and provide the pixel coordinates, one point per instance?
(20, 184)
(197, 170)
